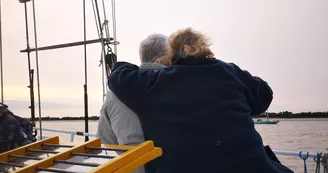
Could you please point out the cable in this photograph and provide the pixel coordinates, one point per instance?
(37, 67)
(114, 25)
(94, 13)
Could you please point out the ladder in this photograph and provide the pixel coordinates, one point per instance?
(50, 155)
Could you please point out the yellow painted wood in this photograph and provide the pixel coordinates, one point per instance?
(49, 162)
(141, 161)
(124, 147)
(133, 158)
(125, 158)
(22, 150)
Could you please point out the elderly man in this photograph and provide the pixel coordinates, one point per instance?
(118, 124)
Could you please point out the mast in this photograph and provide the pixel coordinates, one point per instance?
(30, 70)
(37, 67)
(1, 62)
(86, 107)
(105, 42)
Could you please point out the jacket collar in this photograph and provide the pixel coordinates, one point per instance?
(151, 65)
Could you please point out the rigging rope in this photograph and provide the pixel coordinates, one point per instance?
(102, 50)
(114, 25)
(102, 27)
(105, 19)
(304, 159)
(1, 62)
(110, 57)
(98, 15)
(37, 68)
(94, 13)
(102, 64)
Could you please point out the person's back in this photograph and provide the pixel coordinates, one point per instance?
(199, 122)
(199, 111)
(118, 124)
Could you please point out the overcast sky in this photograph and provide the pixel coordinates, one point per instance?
(283, 41)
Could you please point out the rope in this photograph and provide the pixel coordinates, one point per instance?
(102, 74)
(325, 163)
(102, 50)
(318, 161)
(97, 16)
(106, 29)
(304, 159)
(114, 26)
(94, 13)
(105, 21)
(103, 67)
(37, 68)
(1, 63)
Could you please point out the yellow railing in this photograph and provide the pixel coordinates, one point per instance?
(52, 156)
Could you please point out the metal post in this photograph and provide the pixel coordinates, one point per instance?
(77, 163)
(30, 71)
(1, 63)
(12, 164)
(72, 136)
(93, 155)
(72, 44)
(24, 157)
(42, 151)
(53, 170)
(106, 149)
(86, 106)
(37, 68)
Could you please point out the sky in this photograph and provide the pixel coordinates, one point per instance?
(285, 42)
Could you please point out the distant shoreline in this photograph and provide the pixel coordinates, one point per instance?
(283, 115)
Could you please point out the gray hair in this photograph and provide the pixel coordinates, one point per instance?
(154, 46)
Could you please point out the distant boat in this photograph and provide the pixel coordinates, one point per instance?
(267, 121)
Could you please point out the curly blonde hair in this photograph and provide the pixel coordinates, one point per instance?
(190, 43)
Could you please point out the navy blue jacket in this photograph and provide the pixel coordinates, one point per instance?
(199, 112)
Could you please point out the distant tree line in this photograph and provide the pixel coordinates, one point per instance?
(65, 118)
(285, 114)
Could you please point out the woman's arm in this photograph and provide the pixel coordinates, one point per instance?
(261, 92)
(129, 83)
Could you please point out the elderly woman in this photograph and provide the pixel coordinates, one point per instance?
(198, 110)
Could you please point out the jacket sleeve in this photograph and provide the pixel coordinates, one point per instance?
(105, 129)
(129, 83)
(261, 93)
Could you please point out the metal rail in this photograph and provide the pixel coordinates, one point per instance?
(295, 153)
(79, 43)
(72, 133)
(277, 152)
